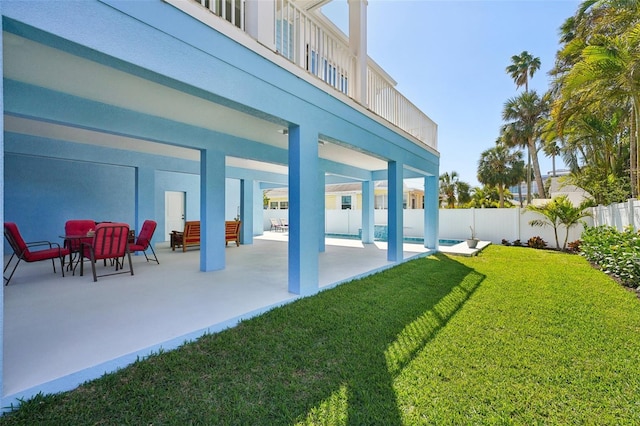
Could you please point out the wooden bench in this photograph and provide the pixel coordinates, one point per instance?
(187, 238)
(232, 232)
(191, 234)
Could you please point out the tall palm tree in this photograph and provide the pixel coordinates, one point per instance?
(500, 167)
(524, 115)
(523, 67)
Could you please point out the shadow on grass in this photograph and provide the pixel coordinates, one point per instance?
(327, 359)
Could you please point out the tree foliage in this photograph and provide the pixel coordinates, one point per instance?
(500, 167)
(595, 112)
(560, 212)
(453, 192)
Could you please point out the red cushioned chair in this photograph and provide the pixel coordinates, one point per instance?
(143, 242)
(111, 241)
(23, 250)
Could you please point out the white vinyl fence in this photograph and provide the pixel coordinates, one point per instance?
(620, 216)
(489, 224)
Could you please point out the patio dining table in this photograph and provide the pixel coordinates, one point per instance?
(74, 243)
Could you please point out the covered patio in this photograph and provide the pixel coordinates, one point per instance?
(60, 332)
(147, 102)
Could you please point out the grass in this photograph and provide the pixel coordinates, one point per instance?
(513, 336)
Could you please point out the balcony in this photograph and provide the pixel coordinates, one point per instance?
(310, 41)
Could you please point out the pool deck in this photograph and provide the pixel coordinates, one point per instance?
(462, 249)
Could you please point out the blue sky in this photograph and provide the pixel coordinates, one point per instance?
(449, 59)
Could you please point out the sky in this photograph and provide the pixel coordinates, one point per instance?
(449, 58)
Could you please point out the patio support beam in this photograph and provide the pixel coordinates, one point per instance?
(212, 210)
(145, 196)
(358, 46)
(395, 219)
(1, 210)
(368, 211)
(246, 211)
(322, 207)
(431, 206)
(258, 209)
(304, 210)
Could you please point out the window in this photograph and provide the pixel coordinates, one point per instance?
(284, 39)
(273, 205)
(346, 202)
(380, 202)
(284, 205)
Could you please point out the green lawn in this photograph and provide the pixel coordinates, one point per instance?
(513, 336)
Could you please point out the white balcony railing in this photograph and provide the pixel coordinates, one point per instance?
(303, 40)
(229, 10)
(387, 102)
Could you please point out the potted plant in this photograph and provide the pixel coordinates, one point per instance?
(473, 241)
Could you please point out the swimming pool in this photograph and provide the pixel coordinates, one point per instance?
(449, 243)
(415, 240)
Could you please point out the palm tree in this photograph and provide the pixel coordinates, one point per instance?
(610, 69)
(523, 67)
(595, 75)
(452, 190)
(488, 197)
(524, 115)
(500, 167)
(463, 190)
(560, 211)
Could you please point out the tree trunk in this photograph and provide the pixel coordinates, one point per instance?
(528, 175)
(501, 193)
(536, 168)
(633, 157)
(633, 144)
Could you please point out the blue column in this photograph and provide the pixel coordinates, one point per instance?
(1, 209)
(322, 213)
(258, 209)
(304, 210)
(145, 197)
(368, 211)
(212, 209)
(395, 222)
(431, 212)
(246, 211)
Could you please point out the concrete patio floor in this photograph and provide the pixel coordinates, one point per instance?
(60, 332)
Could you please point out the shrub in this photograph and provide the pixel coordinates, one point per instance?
(505, 242)
(574, 246)
(616, 253)
(536, 242)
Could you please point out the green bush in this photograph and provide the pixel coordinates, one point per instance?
(616, 253)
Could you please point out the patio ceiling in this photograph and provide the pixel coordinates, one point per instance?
(30, 62)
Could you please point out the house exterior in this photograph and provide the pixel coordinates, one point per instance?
(348, 196)
(110, 105)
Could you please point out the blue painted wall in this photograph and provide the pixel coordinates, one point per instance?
(43, 192)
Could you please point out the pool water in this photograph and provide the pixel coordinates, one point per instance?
(449, 243)
(446, 243)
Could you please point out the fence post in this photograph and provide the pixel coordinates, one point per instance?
(517, 223)
(630, 214)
